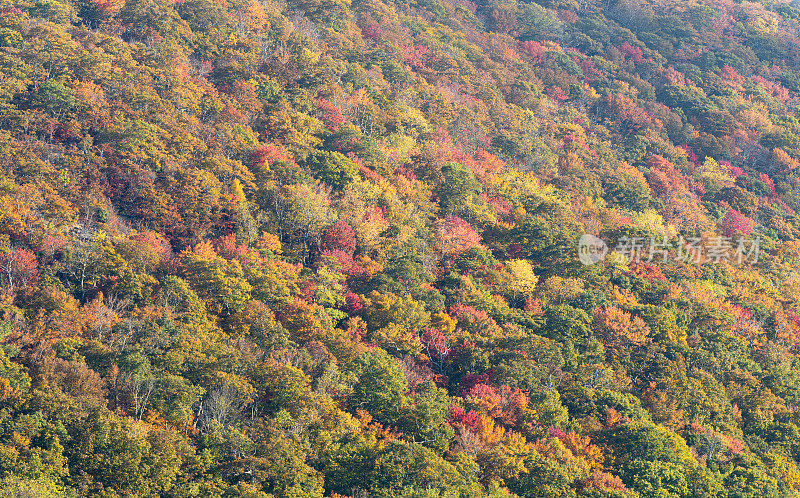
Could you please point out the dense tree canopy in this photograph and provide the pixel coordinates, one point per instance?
(333, 248)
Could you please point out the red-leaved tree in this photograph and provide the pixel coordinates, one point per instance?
(455, 236)
(19, 267)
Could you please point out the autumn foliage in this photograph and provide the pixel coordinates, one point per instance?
(330, 248)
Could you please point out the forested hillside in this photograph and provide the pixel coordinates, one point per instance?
(409, 248)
